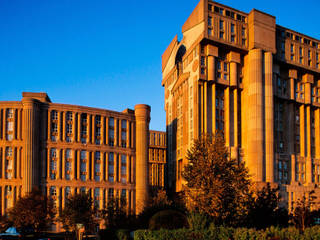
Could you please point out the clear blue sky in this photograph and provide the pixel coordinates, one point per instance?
(107, 54)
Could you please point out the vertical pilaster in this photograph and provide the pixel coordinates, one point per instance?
(269, 119)
(93, 137)
(63, 162)
(302, 131)
(235, 117)
(128, 134)
(142, 114)
(78, 169)
(79, 127)
(213, 100)
(227, 116)
(48, 163)
(308, 143)
(88, 128)
(115, 132)
(59, 125)
(254, 159)
(63, 132)
(30, 123)
(317, 132)
(103, 136)
(74, 127)
(205, 107)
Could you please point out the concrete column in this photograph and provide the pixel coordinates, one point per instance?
(79, 127)
(63, 197)
(88, 128)
(308, 143)
(107, 167)
(58, 175)
(205, 107)
(132, 135)
(93, 137)
(302, 131)
(211, 68)
(269, 119)
(92, 165)
(63, 162)
(142, 114)
(107, 131)
(102, 166)
(213, 100)
(227, 116)
(317, 132)
(115, 132)
(77, 171)
(59, 125)
(233, 74)
(30, 136)
(201, 115)
(63, 132)
(14, 160)
(235, 117)
(18, 162)
(49, 125)
(254, 159)
(128, 134)
(128, 169)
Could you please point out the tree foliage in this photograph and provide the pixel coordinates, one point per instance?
(303, 216)
(34, 211)
(115, 214)
(215, 184)
(78, 210)
(265, 202)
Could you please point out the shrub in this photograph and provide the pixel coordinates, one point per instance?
(167, 219)
(198, 221)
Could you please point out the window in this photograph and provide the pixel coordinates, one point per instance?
(83, 165)
(123, 168)
(222, 69)
(111, 167)
(69, 116)
(221, 26)
(232, 28)
(123, 194)
(54, 115)
(97, 165)
(110, 193)
(67, 192)
(220, 109)
(123, 133)
(209, 21)
(111, 131)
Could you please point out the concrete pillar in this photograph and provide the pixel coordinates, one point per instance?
(254, 159)
(107, 131)
(233, 74)
(205, 107)
(211, 68)
(59, 125)
(115, 132)
(269, 120)
(79, 127)
(78, 169)
(317, 132)
(235, 117)
(128, 134)
(63, 130)
(213, 101)
(93, 134)
(4, 121)
(308, 143)
(142, 115)
(63, 162)
(88, 128)
(30, 137)
(48, 163)
(227, 116)
(302, 131)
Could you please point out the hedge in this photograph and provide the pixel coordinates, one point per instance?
(224, 233)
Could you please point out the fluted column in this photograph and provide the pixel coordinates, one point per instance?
(254, 154)
(308, 143)
(142, 114)
(269, 128)
(30, 124)
(227, 116)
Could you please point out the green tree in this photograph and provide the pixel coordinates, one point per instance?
(34, 211)
(78, 210)
(265, 202)
(115, 214)
(216, 185)
(303, 216)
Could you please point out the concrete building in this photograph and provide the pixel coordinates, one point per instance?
(255, 81)
(64, 149)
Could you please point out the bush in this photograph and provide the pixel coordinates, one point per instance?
(198, 221)
(168, 219)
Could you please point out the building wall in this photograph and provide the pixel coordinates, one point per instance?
(253, 81)
(66, 149)
(157, 159)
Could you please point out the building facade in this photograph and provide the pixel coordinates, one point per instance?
(66, 149)
(254, 81)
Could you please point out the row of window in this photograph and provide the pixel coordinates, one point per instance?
(71, 129)
(226, 13)
(85, 166)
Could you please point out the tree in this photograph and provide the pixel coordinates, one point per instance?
(115, 214)
(216, 185)
(78, 210)
(265, 202)
(303, 216)
(34, 211)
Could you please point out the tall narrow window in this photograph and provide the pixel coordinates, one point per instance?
(111, 167)
(68, 165)
(98, 130)
(123, 133)
(83, 165)
(53, 163)
(97, 164)
(83, 128)
(123, 168)
(111, 131)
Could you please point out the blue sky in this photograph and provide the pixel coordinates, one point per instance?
(107, 54)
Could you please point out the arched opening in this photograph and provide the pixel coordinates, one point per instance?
(178, 61)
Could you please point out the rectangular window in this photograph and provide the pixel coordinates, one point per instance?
(123, 168)
(209, 21)
(232, 28)
(111, 131)
(111, 167)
